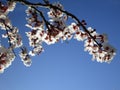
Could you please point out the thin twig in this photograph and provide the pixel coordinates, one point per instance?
(41, 14)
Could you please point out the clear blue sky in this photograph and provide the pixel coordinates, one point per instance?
(65, 66)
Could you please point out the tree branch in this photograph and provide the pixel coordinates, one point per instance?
(48, 5)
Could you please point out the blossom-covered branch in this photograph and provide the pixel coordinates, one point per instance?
(49, 30)
(48, 5)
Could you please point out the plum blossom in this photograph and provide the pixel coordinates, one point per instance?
(4, 21)
(80, 35)
(5, 24)
(25, 57)
(37, 50)
(105, 53)
(73, 28)
(4, 10)
(14, 38)
(36, 37)
(33, 19)
(55, 14)
(6, 58)
(11, 6)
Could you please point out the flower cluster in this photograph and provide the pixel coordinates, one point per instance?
(103, 53)
(25, 57)
(7, 7)
(57, 17)
(55, 13)
(5, 24)
(51, 35)
(14, 38)
(4, 10)
(6, 58)
(49, 30)
(37, 34)
(35, 40)
(33, 19)
(58, 30)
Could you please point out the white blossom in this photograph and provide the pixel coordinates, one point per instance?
(11, 6)
(37, 50)
(73, 28)
(6, 58)
(80, 35)
(25, 58)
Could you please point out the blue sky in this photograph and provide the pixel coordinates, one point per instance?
(65, 66)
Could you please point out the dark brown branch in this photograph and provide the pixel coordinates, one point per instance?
(31, 4)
